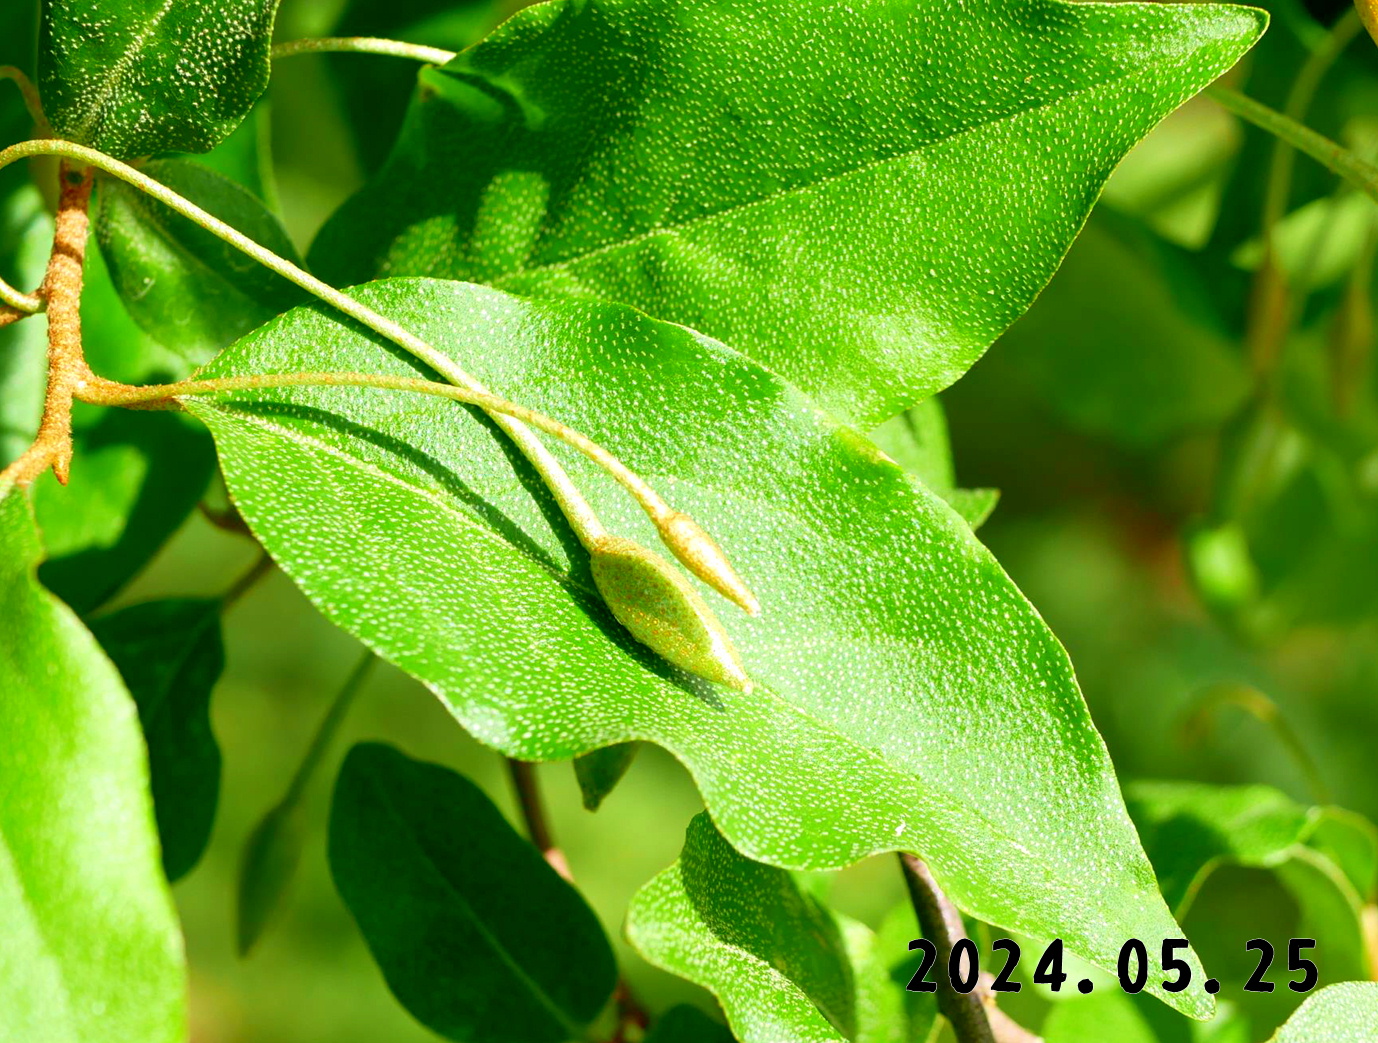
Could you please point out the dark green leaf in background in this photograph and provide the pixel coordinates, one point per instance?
(143, 76)
(478, 937)
(185, 287)
(782, 964)
(170, 654)
(685, 1024)
(860, 197)
(907, 697)
(1126, 341)
(91, 949)
(1344, 1013)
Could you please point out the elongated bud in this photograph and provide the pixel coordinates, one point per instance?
(698, 553)
(652, 599)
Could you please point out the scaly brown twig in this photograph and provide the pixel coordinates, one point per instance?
(67, 369)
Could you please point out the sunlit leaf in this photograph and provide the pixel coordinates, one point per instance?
(1344, 1013)
(91, 946)
(861, 197)
(907, 697)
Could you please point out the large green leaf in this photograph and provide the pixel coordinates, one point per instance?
(91, 948)
(907, 695)
(182, 285)
(170, 654)
(1344, 1013)
(859, 196)
(782, 964)
(142, 76)
(476, 934)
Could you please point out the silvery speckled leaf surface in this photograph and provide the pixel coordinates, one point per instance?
(908, 696)
(861, 196)
(91, 948)
(134, 77)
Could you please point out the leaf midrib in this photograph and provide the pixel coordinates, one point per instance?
(116, 74)
(574, 1029)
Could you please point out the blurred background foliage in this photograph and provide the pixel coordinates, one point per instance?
(1184, 430)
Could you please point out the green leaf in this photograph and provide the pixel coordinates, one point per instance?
(860, 197)
(782, 965)
(1189, 829)
(185, 287)
(271, 856)
(91, 947)
(917, 440)
(145, 76)
(686, 1024)
(170, 654)
(477, 936)
(1344, 1013)
(135, 478)
(600, 771)
(908, 697)
(1097, 1019)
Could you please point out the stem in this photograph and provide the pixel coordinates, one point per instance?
(32, 101)
(326, 730)
(67, 369)
(1334, 157)
(941, 924)
(260, 568)
(528, 792)
(581, 516)
(108, 393)
(362, 45)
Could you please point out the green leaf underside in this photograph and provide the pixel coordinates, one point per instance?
(476, 934)
(182, 285)
(143, 76)
(91, 947)
(170, 654)
(908, 696)
(859, 196)
(781, 964)
(1344, 1013)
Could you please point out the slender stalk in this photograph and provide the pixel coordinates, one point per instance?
(1334, 157)
(108, 393)
(67, 367)
(32, 102)
(260, 568)
(941, 924)
(524, 784)
(688, 541)
(581, 516)
(1257, 705)
(362, 45)
(325, 731)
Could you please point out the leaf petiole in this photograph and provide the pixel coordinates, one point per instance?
(362, 45)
